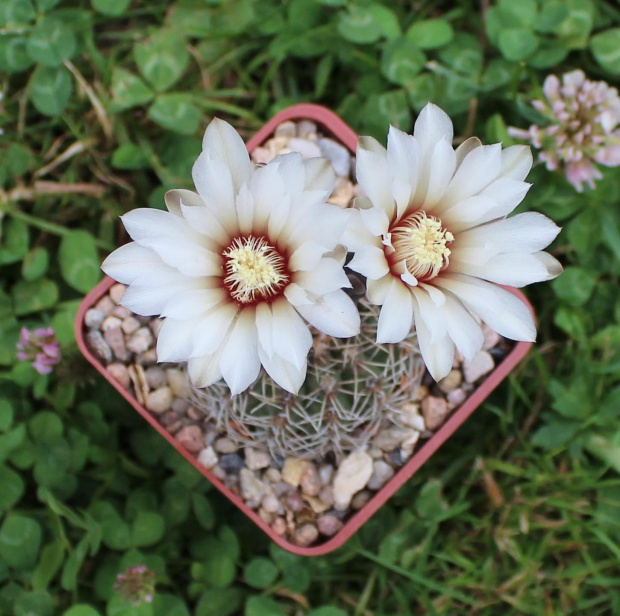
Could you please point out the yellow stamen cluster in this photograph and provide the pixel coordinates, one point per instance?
(421, 242)
(255, 270)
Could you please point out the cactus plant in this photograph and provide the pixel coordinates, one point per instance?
(353, 387)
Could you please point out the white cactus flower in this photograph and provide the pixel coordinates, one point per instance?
(432, 237)
(239, 269)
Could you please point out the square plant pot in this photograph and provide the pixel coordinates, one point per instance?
(332, 126)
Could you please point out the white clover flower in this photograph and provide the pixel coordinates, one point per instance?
(583, 128)
(238, 268)
(432, 236)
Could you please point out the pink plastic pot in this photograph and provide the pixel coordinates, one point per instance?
(330, 123)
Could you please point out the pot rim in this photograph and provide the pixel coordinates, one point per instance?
(339, 129)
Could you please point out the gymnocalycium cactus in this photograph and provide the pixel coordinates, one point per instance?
(353, 386)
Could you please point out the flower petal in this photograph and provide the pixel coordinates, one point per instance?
(292, 339)
(174, 339)
(396, 316)
(244, 205)
(374, 174)
(126, 263)
(478, 169)
(239, 362)
(327, 276)
(513, 269)
(214, 184)
(442, 168)
(403, 155)
(438, 354)
(334, 314)
(462, 328)
(173, 240)
(516, 162)
(306, 257)
(222, 142)
(377, 290)
(370, 261)
(319, 175)
(525, 233)
(283, 372)
(193, 303)
(499, 309)
(264, 328)
(203, 220)
(204, 371)
(174, 197)
(212, 329)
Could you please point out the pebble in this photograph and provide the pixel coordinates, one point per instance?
(271, 503)
(451, 381)
(232, 462)
(329, 525)
(178, 382)
(408, 446)
(130, 325)
(140, 341)
(190, 437)
(159, 401)
(110, 322)
(391, 438)
(481, 364)
(116, 292)
(435, 411)
(207, 457)
(155, 325)
(293, 501)
(116, 340)
(338, 155)
(273, 475)
(155, 377)
(306, 535)
(360, 499)
(342, 193)
(491, 337)
(375, 452)
(279, 526)
(286, 129)
(326, 495)
(410, 416)
(219, 472)
(352, 475)
(382, 472)
(265, 516)
(121, 312)
(252, 488)
(316, 504)
(307, 149)
(179, 405)
(105, 305)
(226, 445)
(93, 318)
(120, 373)
(310, 481)
(148, 358)
(255, 459)
(326, 472)
(293, 469)
(306, 128)
(99, 346)
(456, 398)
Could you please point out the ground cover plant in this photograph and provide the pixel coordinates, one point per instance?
(102, 105)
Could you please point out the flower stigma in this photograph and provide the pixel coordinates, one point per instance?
(421, 242)
(255, 270)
